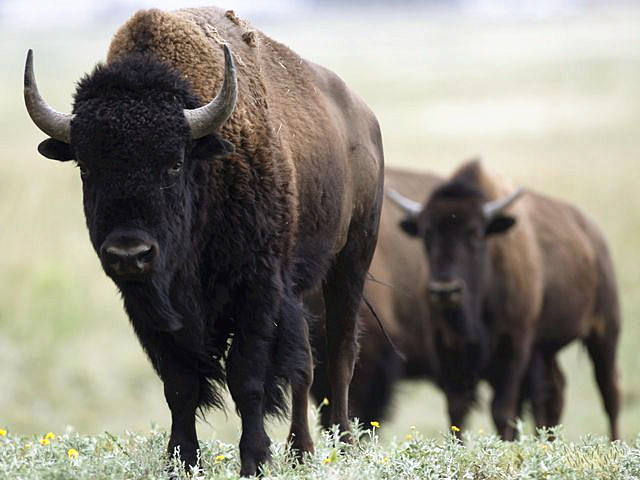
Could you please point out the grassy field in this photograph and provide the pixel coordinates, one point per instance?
(554, 103)
(481, 457)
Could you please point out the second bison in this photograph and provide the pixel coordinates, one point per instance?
(508, 280)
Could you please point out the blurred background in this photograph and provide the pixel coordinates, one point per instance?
(547, 92)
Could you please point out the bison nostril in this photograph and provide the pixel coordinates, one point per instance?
(128, 256)
(445, 288)
(146, 255)
(456, 297)
(111, 256)
(446, 293)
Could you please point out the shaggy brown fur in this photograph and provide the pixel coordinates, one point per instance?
(270, 120)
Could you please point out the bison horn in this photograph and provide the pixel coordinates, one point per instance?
(55, 124)
(410, 207)
(209, 118)
(494, 207)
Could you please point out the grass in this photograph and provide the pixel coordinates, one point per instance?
(134, 456)
(554, 104)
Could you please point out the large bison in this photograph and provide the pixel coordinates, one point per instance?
(510, 279)
(214, 213)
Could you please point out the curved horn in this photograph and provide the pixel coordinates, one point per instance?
(410, 207)
(209, 118)
(55, 124)
(492, 208)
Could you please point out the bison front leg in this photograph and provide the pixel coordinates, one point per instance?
(459, 403)
(507, 387)
(182, 390)
(544, 385)
(247, 367)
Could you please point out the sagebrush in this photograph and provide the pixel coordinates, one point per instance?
(133, 456)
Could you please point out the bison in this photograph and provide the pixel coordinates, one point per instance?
(508, 282)
(219, 189)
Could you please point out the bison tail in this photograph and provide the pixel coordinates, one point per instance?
(292, 362)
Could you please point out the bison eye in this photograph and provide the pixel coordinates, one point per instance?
(176, 168)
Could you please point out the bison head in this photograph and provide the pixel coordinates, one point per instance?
(454, 226)
(139, 141)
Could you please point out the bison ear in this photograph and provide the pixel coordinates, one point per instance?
(409, 226)
(500, 224)
(55, 150)
(212, 146)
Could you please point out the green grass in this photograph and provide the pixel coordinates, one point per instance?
(554, 104)
(134, 456)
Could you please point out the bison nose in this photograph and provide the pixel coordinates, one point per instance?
(446, 293)
(127, 256)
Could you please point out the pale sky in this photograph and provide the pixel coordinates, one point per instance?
(32, 14)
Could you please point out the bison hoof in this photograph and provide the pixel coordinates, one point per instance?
(254, 452)
(300, 446)
(187, 452)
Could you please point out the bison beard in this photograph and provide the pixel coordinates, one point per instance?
(150, 305)
(201, 346)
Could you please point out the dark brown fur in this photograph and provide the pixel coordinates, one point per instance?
(552, 283)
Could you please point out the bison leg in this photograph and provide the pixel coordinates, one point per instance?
(181, 390)
(299, 435)
(458, 404)
(375, 377)
(320, 388)
(535, 387)
(341, 347)
(247, 367)
(507, 386)
(555, 400)
(544, 386)
(342, 294)
(602, 350)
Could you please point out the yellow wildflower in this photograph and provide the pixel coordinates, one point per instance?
(384, 460)
(219, 458)
(73, 453)
(325, 401)
(333, 456)
(3, 432)
(454, 429)
(375, 424)
(47, 438)
(408, 436)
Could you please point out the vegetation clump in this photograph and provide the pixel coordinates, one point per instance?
(479, 457)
